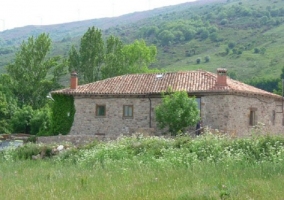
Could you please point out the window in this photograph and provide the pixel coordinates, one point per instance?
(100, 110)
(127, 111)
(273, 117)
(252, 117)
(198, 100)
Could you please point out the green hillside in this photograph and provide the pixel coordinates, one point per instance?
(244, 36)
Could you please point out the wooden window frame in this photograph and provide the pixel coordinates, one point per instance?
(97, 110)
(126, 107)
(273, 117)
(252, 117)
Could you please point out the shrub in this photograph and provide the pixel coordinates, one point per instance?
(224, 22)
(231, 45)
(198, 60)
(176, 112)
(256, 50)
(41, 122)
(21, 120)
(207, 59)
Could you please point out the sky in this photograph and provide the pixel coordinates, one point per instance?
(19, 13)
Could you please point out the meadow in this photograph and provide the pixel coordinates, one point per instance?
(206, 167)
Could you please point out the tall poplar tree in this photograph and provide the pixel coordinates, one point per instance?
(98, 59)
(92, 54)
(113, 65)
(34, 74)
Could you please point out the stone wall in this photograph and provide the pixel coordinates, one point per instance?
(227, 113)
(113, 124)
(73, 139)
(231, 113)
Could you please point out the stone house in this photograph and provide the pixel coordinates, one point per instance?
(125, 104)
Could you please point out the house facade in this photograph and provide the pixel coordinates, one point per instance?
(126, 104)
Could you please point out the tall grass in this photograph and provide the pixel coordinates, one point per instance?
(207, 167)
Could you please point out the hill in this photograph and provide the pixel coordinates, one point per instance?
(243, 36)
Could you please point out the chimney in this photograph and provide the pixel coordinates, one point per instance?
(74, 80)
(221, 77)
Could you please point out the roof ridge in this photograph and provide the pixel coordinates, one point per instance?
(146, 83)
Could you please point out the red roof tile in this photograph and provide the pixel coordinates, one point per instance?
(144, 84)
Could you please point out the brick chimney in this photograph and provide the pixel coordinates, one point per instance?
(74, 80)
(221, 77)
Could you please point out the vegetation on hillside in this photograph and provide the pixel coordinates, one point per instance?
(243, 36)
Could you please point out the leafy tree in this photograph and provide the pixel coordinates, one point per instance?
(166, 37)
(74, 62)
(137, 56)
(269, 85)
(127, 59)
(21, 120)
(4, 111)
(117, 59)
(113, 58)
(41, 122)
(214, 37)
(177, 112)
(33, 74)
(204, 34)
(152, 30)
(8, 103)
(189, 33)
(91, 55)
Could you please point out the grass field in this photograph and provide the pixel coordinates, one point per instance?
(208, 167)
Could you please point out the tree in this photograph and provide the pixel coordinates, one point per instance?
(4, 125)
(137, 56)
(74, 62)
(33, 74)
(92, 54)
(113, 58)
(98, 60)
(8, 103)
(166, 37)
(177, 112)
(21, 120)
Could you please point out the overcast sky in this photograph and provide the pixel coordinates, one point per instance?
(18, 13)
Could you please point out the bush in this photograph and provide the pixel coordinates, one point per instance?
(207, 59)
(256, 50)
(198, 60)
(177, 112)
(21, 120)
(224, 22)
(41, 122)
(231, 45)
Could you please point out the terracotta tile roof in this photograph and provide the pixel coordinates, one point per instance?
(194, 82)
